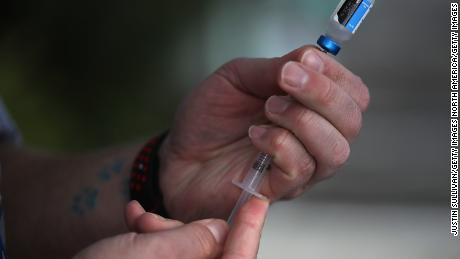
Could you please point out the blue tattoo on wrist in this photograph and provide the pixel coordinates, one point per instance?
(86, 199)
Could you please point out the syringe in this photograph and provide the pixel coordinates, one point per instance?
(251, 183)
(343, 24)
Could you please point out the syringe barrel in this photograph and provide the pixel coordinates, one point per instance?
(251, 182)
(254, 177)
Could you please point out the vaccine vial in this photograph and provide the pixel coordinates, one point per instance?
(344, 23)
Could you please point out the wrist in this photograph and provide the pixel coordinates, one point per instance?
(165, 154)
(144, 179)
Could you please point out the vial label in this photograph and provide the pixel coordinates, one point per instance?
(352, 13)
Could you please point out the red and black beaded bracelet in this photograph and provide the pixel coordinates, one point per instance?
(144, 184)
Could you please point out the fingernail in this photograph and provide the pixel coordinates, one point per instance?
(218, 229)
(312, 60)
(294, 75)
(256, 132)
(277, 104)
(157, 216)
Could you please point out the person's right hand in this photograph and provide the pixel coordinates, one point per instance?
(155, 237)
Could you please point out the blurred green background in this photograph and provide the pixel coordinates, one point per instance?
(77, 75)
(83, 74)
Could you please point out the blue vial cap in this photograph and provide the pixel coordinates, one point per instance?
(329, 45)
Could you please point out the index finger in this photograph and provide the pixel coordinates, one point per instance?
(244, 237)
(331, 68)
(259, 77)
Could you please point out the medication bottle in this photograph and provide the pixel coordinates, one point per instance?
(344, 23)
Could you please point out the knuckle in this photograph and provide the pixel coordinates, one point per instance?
(306, 168)
(279, 139)
(204, 240)
(249, 223)
(340, 76)
(341, 154)
(229, 71)
(327, 94)
(304, 117)
(355, 123)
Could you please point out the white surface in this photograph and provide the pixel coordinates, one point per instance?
(305, 229)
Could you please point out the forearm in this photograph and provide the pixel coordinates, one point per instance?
(55, 205)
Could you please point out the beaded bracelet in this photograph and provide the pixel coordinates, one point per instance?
(144, 182)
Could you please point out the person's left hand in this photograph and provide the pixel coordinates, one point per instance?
(305, 109)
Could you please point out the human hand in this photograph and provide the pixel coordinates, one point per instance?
(158, 237)
(308, 109)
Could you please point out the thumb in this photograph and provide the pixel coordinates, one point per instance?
(259, 76)
(200, 239)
